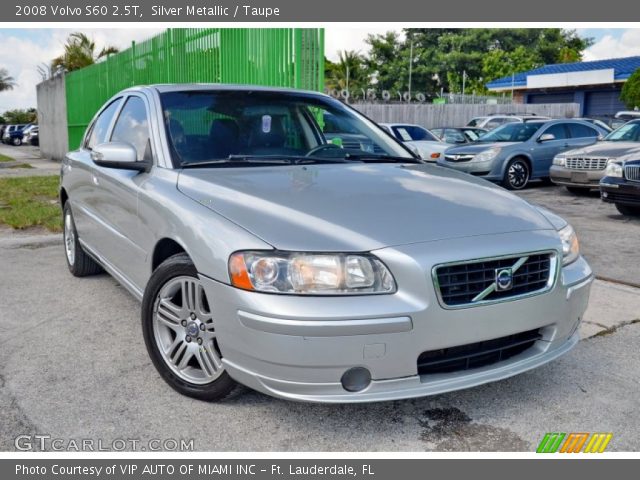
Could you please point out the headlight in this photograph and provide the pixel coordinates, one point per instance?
(560, 160)
(570, 246)
(310, 273)
(486, 155)
(614, 169)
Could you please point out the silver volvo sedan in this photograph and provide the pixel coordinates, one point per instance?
(267, 255)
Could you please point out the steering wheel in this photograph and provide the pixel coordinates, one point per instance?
(319, 148)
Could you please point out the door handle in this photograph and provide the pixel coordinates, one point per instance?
(95, 180)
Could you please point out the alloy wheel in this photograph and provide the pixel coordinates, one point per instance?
(184, 331)
(69, 239)
(518, 175)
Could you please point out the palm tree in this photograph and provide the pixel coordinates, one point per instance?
(7, 82)
(79, 52)
(349, 72)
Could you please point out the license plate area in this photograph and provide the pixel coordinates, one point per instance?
(579, 177)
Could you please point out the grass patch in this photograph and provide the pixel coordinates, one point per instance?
(4, 158)
(30, 202)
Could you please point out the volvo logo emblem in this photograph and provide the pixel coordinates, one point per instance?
(504, 279)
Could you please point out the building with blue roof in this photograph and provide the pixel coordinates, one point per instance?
(594, 85)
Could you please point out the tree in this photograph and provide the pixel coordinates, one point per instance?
(79, 52)
(349, 71)
(7, 82)
(630, 94)
(442, 55)
(18, 116)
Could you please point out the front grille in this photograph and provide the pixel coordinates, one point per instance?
(458, 158)
(580, 163)
(475, 355)
(617, 197)
(632, 173)
(461, 284)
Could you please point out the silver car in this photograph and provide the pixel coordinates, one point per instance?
(516, 153)
(265, 255)
(582, 169)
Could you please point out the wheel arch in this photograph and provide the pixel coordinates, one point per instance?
(524, 156)
(164, 248)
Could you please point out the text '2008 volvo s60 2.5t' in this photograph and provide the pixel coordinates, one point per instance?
(267, 255)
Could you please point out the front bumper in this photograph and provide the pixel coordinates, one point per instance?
(490, 170)
(575, 178)
(299, 347)
(619, 190)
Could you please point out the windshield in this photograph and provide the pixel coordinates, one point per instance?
(511, 132)
(629, 132)
(219, 127)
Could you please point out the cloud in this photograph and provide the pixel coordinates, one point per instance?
(23, 51)
(610, 46)
(337, 39)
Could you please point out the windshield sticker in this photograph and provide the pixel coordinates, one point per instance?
(266, 123)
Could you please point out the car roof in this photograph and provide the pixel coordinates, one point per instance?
(179, 87)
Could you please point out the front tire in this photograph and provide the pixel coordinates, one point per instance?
(17, 141)
(80, 264)
(517, 174)
(180, 333)
(628, 210)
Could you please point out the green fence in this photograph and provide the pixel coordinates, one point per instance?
(284, 57)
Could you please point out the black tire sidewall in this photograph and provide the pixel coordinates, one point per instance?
(628, 210)
(506, 181)
(176, 266)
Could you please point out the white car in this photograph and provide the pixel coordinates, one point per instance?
(418, 139)
(494, 121)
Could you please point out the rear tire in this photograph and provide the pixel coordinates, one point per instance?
(180, 333)
(517, 174)
(628, 210)
(80, 264)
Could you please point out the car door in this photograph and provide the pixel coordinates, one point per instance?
(118, 205)
(81, 178)
(544, 151)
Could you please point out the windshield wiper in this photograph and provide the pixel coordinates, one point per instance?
(263, 159)
(373, 157)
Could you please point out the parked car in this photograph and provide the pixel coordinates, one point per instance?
(418, 139)
(491, 122)
(622, 117)
(265, 255)
(581, 170)
(26, 132)
(13, 135)
(458, 135)
(31, 135)
(516, 153)
(621, 185)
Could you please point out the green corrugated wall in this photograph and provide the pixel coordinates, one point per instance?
(282, 57)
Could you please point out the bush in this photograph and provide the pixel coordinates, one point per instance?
(630, 95)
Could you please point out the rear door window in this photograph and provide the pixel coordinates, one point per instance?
(582, 131)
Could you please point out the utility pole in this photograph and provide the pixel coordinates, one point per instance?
(464, 78)
(410, 67)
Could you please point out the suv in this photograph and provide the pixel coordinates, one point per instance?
(494, 121)
(518, 152)
(266, 255)
(13, 135)
(581, 170)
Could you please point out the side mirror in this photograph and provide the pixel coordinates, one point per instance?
(546, 137)
(600, 138)
(118, 155)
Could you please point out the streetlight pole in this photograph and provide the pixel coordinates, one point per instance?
(410, 67)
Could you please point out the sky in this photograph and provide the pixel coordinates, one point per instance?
(24, 49)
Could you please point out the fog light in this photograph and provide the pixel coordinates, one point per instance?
(356, 379)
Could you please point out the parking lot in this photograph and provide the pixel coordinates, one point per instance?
(73, 366)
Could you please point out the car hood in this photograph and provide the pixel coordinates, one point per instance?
(359, 207)
(607, 149)
(479, 147)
